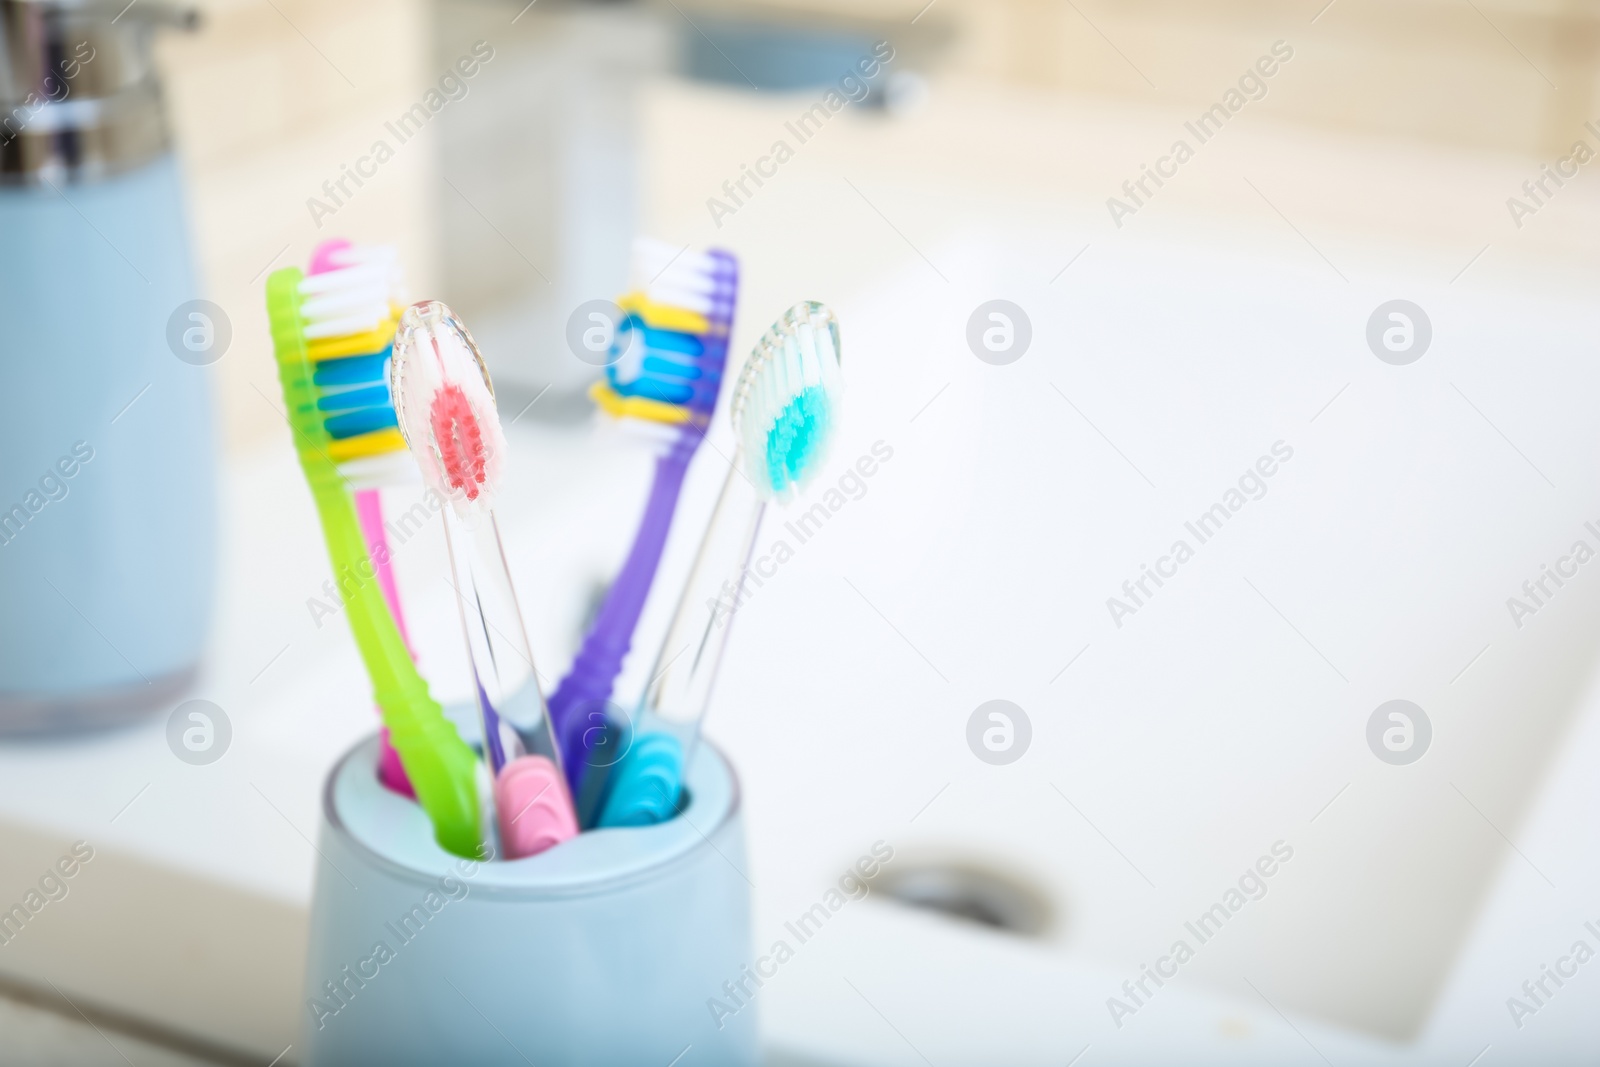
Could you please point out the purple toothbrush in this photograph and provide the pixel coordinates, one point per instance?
(670, 373)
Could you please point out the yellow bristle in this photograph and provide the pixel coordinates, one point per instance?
(356, 344)
(665, 316)
(638, 407)
(376, 443)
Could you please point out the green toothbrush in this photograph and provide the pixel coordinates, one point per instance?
(441, 766)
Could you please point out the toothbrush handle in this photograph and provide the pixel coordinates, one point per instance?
(649, 778)
(589, 682)
(369, 509)
(438, 762)
(686, 668)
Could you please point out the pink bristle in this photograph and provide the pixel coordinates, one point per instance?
(323, 255)
(459, 439)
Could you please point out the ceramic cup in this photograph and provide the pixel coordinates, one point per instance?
(605, 950)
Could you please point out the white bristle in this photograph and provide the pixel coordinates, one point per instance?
(364, 322)
(355, 297)
(341, 278)
(665, 290)
(679, 277)
(375, 472)
(828, 364)
(360, 255)
(657, 435)
(693, 278)
(681, 298)
(676, 277)
(360, 304)
(343, 299)
(656, 256)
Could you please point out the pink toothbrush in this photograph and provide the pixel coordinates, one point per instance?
(329, 257)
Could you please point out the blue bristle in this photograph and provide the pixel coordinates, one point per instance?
(352, 370)
(668, 375)
(670, 341)
(356, 423)
(665, 390)
(670, 367)
(675, 368)
(375, 396)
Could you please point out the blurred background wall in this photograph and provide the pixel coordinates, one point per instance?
(276, 95)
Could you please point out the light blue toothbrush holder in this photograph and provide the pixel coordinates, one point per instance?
(603, 951)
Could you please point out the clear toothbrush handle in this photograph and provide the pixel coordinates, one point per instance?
(719, 583)
(650, 777)
(523, 708)
(509, 695)
(533, 808)
(497, 664)
(444, 403)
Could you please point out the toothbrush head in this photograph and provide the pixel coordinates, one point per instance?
(672, 344)
(444, 403)
(785, 405)
(348, 309)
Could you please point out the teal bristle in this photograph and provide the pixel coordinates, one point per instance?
(786, 401)
(793, 440)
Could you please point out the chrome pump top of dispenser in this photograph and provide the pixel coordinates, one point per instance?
(79, 96)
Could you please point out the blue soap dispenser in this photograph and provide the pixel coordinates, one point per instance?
(107, 483)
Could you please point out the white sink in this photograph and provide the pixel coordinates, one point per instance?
(1228, 713)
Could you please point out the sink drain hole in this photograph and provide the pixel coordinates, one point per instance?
(970, 894)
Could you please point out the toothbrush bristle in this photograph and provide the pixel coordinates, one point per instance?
(445, 404)
(785, 404)
(459, 439)
(673, 344)
(348, 321)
